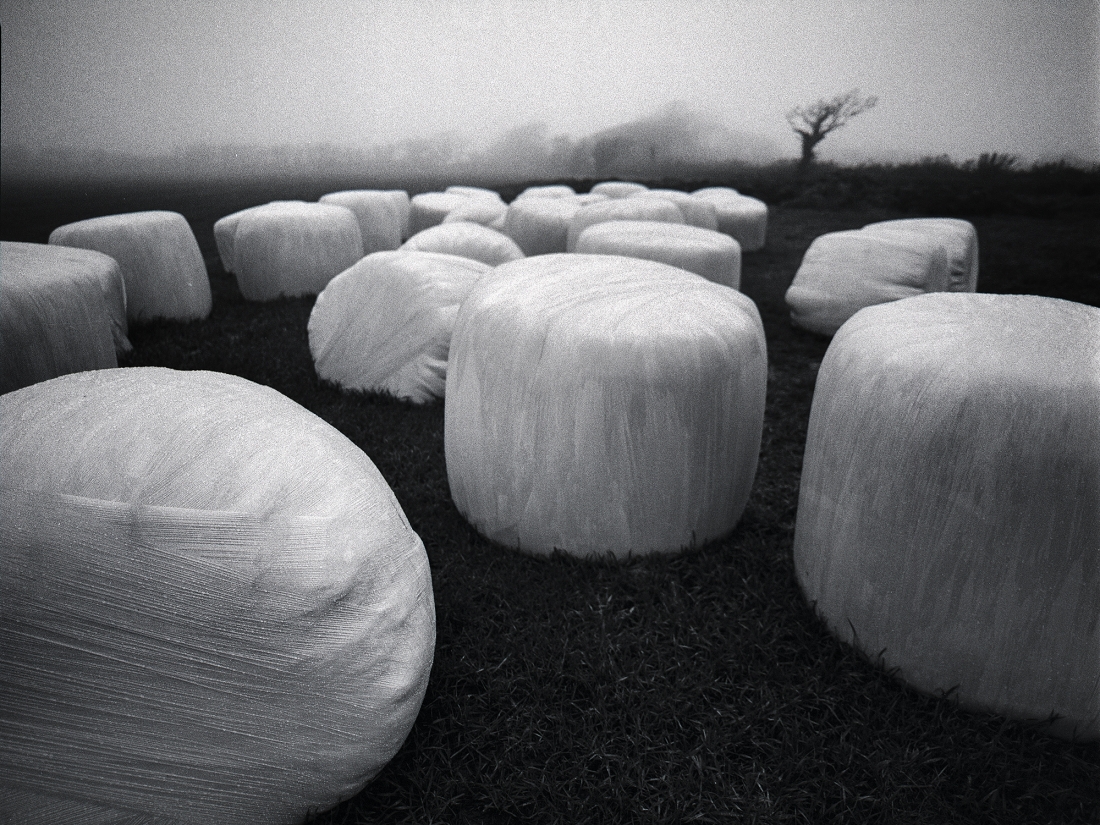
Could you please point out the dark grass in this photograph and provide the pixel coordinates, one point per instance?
(692, 688)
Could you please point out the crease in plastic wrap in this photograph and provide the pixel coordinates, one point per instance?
(600, 404)
(385, 324)
(949, 507)
(958, 237)
(213, 608)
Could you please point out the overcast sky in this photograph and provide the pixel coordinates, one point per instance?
(953, 76)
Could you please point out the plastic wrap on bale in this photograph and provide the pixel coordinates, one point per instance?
(696, 211)
(62, 310)
(843, 272)
(959, 239)
(540, 226)
(949, 508)
(469, 240)
(290, 249)
(484, 211)
(385, 324)
(430, 208)
(550, 190)
(213, 608)
(603, 405)
(616, 189)
(743, 218)
(621, 209)
(714, 255)
(380, 222)
(225, 231)
(159, 259)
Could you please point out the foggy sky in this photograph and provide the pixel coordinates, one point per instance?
(959, 77)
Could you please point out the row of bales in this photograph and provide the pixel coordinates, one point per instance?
(204, 577)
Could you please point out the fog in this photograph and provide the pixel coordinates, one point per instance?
(525, 84)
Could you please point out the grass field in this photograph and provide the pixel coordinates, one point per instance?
(695, 688)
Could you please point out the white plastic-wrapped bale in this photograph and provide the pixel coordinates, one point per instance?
(379, 221)
(696, 211)
(158, 256)
(621, 209)
(484, 211)
(214, 608)
(743, 218)
(404, 210)
(618, 188)
(959, 239)
(430, 208)
(714, 255)
(599, 404)
(550, 190)
(289, 249)
(948, 513)
(62, 310)
(540, 225)
(843, 272)
(473, 192)
(470, 240)
(385, 324)
(225, 231)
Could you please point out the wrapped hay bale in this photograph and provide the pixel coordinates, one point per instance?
(947, 515)
(379, 220)
(469, 240)
(474, 192)
(484, 211)
(714, 255)
(621, 209)
(843, 272)
(430, 208)
(743, 218)
(600, 404)
(385, 324)
(158, 256)
(404, 210)
(552, 190)
(959, 239)
(214, 609)
(696, 211)
(225, 231)
(290, 249)
(618, 188)
(62, 310)
(540, 225)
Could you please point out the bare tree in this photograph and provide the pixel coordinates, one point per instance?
(815, 121)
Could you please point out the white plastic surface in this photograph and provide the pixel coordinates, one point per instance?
(714, 255)
(159, 259)
(743, 218)
(292, 248)
(430, 208)
(62, 310)
(958, 237)
(843, 272)
(948, 512)
(212, 606)
(601, 404)
(696, 211)
(380, 220)
(385, 324)
(469, 240)
(621, 209)
(618, 188)
(225, 232)
(540, 225)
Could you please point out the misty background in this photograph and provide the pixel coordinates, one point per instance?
(535, 88)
